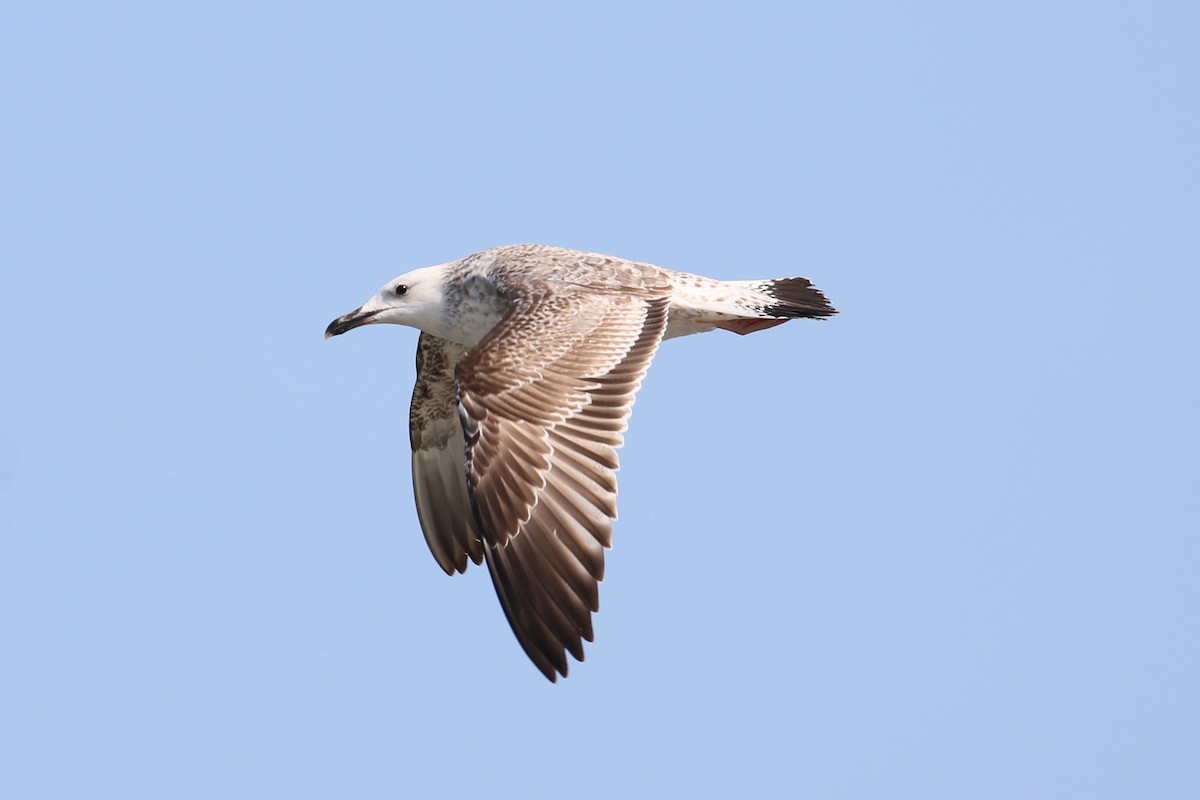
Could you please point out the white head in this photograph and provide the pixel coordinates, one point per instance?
(413, 299)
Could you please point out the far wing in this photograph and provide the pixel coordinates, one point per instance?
(438, 455)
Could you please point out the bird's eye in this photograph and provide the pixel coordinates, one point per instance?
(401, 289)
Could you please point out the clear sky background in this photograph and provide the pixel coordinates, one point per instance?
(945, 545)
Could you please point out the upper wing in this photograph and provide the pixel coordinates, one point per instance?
(439, 482)
(545, 398)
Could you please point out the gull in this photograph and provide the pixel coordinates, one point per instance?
(527, 365)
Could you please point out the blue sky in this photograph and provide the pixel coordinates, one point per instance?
(944, 545)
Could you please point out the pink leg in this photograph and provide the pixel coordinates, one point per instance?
(744, 326)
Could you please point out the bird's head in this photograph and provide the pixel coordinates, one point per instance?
(413, 299)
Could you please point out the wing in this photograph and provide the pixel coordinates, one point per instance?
(438, 453)
(545, 398)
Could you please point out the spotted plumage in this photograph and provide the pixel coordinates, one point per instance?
(527, 367)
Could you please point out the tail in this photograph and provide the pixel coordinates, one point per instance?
(782, 299)
(796, 297)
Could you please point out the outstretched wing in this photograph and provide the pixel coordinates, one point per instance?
(438, 453)
(545, 399)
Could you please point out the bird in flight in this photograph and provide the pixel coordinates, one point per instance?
(527, 366)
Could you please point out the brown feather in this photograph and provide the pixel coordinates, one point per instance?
(546, 405)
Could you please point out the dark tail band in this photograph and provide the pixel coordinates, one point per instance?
(797, 297)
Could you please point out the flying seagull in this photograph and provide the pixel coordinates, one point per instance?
(527, 366)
